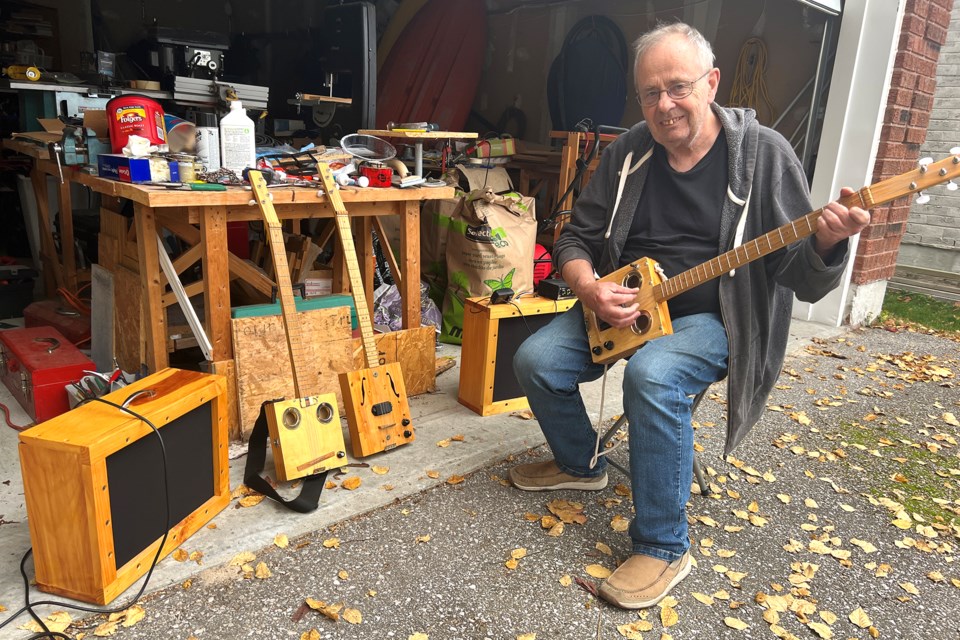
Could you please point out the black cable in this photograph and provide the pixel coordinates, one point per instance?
(28, 607)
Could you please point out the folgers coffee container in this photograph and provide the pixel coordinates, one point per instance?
(132, 114)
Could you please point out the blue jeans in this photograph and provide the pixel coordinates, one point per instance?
(658, 384)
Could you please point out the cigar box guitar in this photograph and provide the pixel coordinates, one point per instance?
(374, 398)
(608, 344)
(305, 432)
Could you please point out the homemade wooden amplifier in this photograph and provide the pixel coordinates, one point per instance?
(492, 333)
(37, 364)
(94, 488)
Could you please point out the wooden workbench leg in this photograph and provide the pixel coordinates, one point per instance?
(366, 258)
(154, 326)
(410, 263)
(50, 262)
(216, 279)
(66, 237)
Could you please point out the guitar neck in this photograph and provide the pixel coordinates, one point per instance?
(737, 257)
(868, 197)
(353, 266)
(288, 305)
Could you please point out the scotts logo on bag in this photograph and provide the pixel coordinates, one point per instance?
(483, 234)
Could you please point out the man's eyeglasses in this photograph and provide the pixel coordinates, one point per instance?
(677, 91)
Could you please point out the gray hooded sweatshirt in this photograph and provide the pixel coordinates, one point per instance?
(767, 190)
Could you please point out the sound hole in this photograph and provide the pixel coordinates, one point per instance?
(324, 412)
(291, 418)
(633, 280)
(642, 324)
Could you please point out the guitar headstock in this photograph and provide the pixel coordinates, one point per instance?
(258, 184)
(927, 175)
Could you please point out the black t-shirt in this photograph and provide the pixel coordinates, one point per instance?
(677, 223)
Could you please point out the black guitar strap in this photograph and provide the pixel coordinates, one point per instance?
(309, 496)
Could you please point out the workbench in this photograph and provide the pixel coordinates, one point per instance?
(178, 212)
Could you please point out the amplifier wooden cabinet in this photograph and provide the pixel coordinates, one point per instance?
(492, 333)
(93, 482)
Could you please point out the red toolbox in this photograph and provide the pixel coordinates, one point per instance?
(74, 326)
(37, 364)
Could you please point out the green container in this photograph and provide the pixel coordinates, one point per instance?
(303, 304)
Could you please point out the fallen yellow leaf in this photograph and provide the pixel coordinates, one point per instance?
(735, 623)
(105, 629)
(668, 617)
(379, 470)
(352, 616)
(242, 558)
(332, 543)
(455, 479)
(619, 523)
(433, 474)
(281, 541)
(249, 501)
(133, 615)
(350, 483)
(860, 618)
(598, 571)
(179, 555)
(262, 572)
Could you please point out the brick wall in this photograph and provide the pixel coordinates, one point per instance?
(911, 109)
(935, 226)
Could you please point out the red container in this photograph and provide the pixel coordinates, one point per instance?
(37, 364)
(378, 176)
(132, 114)
(74, 326)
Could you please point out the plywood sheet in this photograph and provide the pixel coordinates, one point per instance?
(128, 341)
(414, 349)
(263, 370)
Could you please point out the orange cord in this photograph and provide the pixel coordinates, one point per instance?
(6, 415)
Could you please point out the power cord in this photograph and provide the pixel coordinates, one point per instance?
(10, 422)
(29, 606)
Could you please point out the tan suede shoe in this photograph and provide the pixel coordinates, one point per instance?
(546, 476)
(642, 581)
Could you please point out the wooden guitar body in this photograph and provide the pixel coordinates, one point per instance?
(305, 433)
(374, 398)
(305, 436)
(376, 401)
(609, 344)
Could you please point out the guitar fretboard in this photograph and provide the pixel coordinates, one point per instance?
(288, 305)
(353, 266)
(868, 197)
(735, 258)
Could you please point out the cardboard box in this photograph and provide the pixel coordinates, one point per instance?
(117, 166)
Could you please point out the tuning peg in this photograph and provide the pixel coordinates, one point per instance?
(951, 186)
(922, 198)
(923, 162)
(955, 151)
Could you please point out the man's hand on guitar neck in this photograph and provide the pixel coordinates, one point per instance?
(613, 303)
(837, 223)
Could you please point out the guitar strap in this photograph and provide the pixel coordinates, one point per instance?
(309, 496)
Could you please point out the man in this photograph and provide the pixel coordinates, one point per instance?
(690, 182)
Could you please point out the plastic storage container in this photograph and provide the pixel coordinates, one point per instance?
(237, 139)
